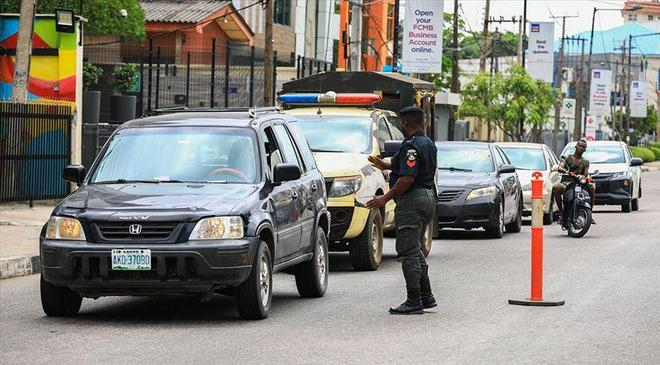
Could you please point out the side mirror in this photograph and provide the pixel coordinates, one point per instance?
(285, 172)
(391, 148)
(636, 162)
(506, 169)
(74, 174)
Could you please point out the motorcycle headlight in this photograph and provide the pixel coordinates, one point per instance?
(217, 228)
(483, 192)
(345, 186)
(623, 174)
(65, 228)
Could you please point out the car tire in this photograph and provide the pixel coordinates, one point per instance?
(59, 301)
(498, 230)
(255, 295)
(634, 204)
(366, 250)
(626, 208)
(548, 217)
(516, 225)
(312, 275)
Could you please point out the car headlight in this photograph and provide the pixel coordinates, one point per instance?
(217, 228)
(483, 192)
(345, 186)
(624, 174)
(64, 228)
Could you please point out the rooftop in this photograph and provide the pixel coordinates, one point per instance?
(180, 11)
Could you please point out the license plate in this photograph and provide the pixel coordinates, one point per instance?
(133, 259)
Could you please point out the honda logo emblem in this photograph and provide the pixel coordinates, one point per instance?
(135, 229)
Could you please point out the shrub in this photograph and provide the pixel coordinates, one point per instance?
(656, 152)
(124, 78)
(644, 153)
(91, 74)
(655, 144)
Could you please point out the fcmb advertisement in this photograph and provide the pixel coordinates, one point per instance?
(599, 95)
(422, 36)
(541, 50)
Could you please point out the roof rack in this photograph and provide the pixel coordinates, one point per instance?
(252, 112)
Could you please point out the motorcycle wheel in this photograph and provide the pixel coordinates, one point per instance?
(580, 223)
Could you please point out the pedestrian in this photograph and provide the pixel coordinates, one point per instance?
(412, 186)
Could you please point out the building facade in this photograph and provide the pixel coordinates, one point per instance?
(646, 13)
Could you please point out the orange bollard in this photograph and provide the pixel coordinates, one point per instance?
(536, 296)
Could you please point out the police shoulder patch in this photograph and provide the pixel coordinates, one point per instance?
(411, 158)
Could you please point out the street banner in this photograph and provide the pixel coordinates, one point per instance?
(422, 36)
(638, 99)
(590, 127)
(599, 93)
(540, 50)
(568, 108)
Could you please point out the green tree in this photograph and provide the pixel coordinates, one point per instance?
(506, 99)
(103, 16)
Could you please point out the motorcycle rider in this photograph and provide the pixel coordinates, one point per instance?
(575, 165)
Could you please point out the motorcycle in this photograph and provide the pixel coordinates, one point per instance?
(577, 207)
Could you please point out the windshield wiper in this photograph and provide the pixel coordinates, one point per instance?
(322, 150)
(125, 181)
(454, 169)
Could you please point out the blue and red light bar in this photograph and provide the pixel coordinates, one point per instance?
(330, 98)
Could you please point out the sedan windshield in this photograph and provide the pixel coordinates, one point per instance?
(210, 155)
(599, 154)
(331, 133)
(464, 158)
(526, 158)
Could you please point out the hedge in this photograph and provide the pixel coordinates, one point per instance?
(655, 144)
(644, 153)
(656, 151)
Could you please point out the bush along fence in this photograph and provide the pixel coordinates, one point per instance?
(217, 74)
(35, 140)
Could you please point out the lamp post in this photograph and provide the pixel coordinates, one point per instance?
(591, 47)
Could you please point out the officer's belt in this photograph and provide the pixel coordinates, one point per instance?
(418, 192)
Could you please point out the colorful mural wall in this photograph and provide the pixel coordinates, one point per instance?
(53, 65)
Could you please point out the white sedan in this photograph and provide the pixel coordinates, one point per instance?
(528, 158)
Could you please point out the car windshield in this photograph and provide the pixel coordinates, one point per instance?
(334, 133)
(599, 154)
(158, 155)
(465, 158)
(526, 158)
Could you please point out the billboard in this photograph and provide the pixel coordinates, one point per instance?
(540, 50)
(422, 36)
(638, 99)
(599, 93)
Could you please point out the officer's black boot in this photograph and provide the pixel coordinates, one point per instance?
(413, 305)
(428, 301)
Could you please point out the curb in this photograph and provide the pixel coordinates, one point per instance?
(13, 266)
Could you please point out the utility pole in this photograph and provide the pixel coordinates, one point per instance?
(484, 38)
(524, 25)
(521, 30)
(454, 55)
(356, 35)
(559, 72)
(395, 44)
(579, 92)
(23, 51)
(628, 81)
(268, 61)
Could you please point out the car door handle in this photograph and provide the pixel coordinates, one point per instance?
(294, 195)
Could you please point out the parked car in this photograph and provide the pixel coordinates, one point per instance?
(478, 187)
(619, 181)
(190, 204)
(343, 130)
(528, 158)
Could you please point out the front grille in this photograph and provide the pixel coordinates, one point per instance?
(163, 268)
(121, 231)
(449, 195)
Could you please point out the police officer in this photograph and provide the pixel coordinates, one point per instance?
(413, 189)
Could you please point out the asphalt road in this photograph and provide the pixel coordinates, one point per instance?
(610, 280)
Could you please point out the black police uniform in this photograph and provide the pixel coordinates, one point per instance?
(414, 211)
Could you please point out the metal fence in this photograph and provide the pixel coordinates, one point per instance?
(220, 74)
(35, 142)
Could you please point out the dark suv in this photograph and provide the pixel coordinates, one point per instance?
(190, 204)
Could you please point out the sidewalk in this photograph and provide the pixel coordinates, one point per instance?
(20, 226)
(651, 166)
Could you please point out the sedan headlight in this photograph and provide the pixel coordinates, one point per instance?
(345, 186)
(217, 228)
(64, 228)
(483, 192)
(624, 174)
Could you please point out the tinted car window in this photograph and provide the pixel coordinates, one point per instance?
(187, 154)
(307, 154)
(328, 133)
(393, 123)
(383, 134)
(288, 151)
(477, 159)
(526, 158)
(599, 154)
(498, 158)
